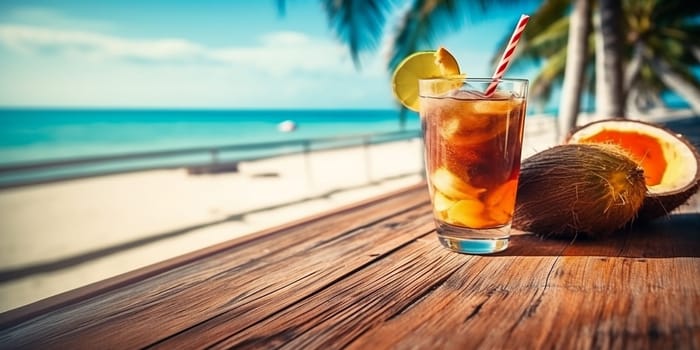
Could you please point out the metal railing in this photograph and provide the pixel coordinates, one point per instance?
(198, 159)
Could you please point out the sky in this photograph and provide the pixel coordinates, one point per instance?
(215, 54)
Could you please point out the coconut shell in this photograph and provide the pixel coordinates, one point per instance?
(588, 189)
(658, 205)
(682, 156)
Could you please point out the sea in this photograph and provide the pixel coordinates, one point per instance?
(31, 135)
(44, 136)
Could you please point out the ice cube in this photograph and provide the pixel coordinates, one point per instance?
(456, 93)
(441, 202)
(494, 106)
(472, 95)
(503, 95)
(452, 186)
(468, 212)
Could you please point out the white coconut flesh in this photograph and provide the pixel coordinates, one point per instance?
(681, 164)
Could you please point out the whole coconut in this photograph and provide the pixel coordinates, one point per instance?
(590, 189)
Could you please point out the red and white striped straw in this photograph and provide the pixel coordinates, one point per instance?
(507, 54)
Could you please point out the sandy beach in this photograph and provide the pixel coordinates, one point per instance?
(59, 236)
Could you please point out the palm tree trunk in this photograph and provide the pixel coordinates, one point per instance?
(676, 82)
(579, 29)
(610, 93)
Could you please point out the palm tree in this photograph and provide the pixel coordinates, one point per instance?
(360, 24)
(665, 39)
(660, 43)
(660, 46)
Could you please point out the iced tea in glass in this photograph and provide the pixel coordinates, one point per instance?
(472, 149)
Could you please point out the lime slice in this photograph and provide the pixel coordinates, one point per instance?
(421, 65)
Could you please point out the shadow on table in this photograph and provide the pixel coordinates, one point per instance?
(675, 236)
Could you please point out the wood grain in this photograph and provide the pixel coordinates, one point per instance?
(594, 303)
(374, 276)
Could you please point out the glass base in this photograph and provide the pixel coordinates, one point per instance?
(473, 241)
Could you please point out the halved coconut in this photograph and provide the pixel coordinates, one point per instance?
(671, 163)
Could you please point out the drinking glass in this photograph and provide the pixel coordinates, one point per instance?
(472, 152)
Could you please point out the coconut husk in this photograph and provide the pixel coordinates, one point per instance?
(572, 189)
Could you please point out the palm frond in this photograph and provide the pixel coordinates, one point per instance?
(556, 32)
(664, 72)
(691, 33)
(359, 24)
(673, 51)
(544, 24)
(551, 40)
(665, 11)
(648, 80)
(551, 72)
(683, 40)
(547, 14)
(424, 20)
(685, 73)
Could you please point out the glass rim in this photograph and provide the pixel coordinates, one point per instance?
(476, 79)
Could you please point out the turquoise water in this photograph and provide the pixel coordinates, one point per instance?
(43, 134)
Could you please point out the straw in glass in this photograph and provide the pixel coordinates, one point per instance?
(507, 54)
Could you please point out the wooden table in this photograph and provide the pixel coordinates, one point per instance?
(373, 276)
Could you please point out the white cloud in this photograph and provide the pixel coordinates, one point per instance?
(285, 39)
(63, 67)
(278, 54)
(29, 39)
(53, 18)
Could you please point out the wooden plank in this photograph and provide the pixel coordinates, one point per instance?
(599, 310)
(573, 301)
(274, 290)
(338, 314)
(333, 318)
(476, 306)
(204, 288)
